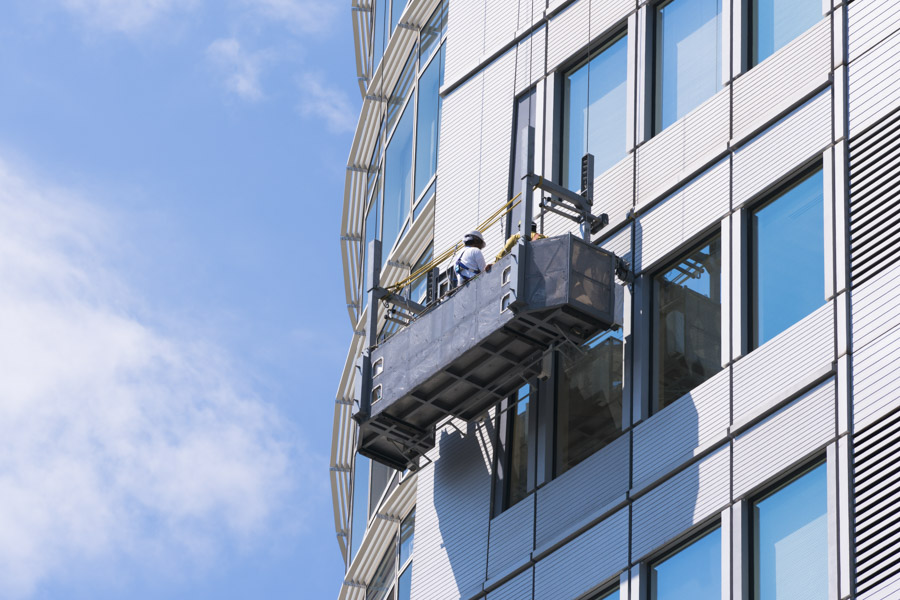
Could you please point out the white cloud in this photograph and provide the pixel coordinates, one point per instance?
(317, 100)
(242, 69)
(118, 442)
(303, 16)
(127, 16)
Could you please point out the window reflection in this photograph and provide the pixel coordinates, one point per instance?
(519, 416)
(589, 399)
(688, 57)
(433, 31)
(774, 23)
(693, 572)
(397, 180)
(360, 503)
(687, 323)
(594, 118)
(428, 122)
(788, 242)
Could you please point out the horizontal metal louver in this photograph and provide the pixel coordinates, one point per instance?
(875, 198)
(876, 482)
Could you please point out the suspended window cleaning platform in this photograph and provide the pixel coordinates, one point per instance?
(465, 354)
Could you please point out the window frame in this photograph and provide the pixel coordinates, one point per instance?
(690, 537)
(399, 568)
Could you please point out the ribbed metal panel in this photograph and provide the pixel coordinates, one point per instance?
(784, 438)
(501, 22)
(795, 71)
(568, 32)
(530, 60)
(688, 425)
(496, 141)
(465, 38)
(667, 160)
(876, 486)
(458, 164)
(587, 561)
(876, 307)
(518, 588)
(874, 84)
(784, 364)
(614, 191)
(876, 378)
(874, 190)
(685, 500)
(581, 492)
(512, 536)
(530, 11)
(782, 148)
(870, 22)
(620, 244)
(452, 515)
(694, 208)
(609, 14)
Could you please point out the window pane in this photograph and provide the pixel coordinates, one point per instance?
(688, 57)
(384, 576)
(777, 22)
(407, 533)
(397, 7)
(397, 181)
(791, 540)
(404, 585)
(433, 31)
(693, 572)
(427, 131)
(418, 287)
(381, 477)
(401, 90)
(360, 502)
(517, 485)
(595, 112)
(789, 247)
(614, 595)
(525, 113)
(589, 399)
(688, 301)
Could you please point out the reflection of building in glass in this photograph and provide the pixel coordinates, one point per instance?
(736, 434)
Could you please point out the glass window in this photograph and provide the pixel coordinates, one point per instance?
(417, 291)
(428, 122)
(381, 477)
(372, 232)
(595, 102)
(397, 180)
(607, 595)
(694, 571)
(360, 503)
(404, 585)
(688, 57)
(774, 23)
(788, 242)
(433, 31)
(407, 534)
(517, 484)
(401, 90)
(687, 325)
(525, 114)
(589, 399)
(383, 580)
(397, 7)
(791, 540)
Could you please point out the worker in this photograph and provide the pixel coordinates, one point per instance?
(468, 262)
(514, 239)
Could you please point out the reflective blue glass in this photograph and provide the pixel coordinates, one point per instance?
(693, 572)
(418, 287)
(433, 32)
(688, 57)
(774, 23)
(401, 90)
(397, 7)
(791, 541)
(397, 180)
(614, 595)
(788, 265)
(427, 123)
(360, 503)
(407, 535)
(404, 585)
(595, 107)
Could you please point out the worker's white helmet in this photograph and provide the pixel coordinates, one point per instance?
(472, 236)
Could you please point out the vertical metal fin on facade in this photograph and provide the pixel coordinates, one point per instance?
(874, 189)
(876, 479)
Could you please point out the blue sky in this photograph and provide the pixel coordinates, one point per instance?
(171, 306)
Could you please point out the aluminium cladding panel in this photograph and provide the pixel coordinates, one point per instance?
(690, 498)
(567, 33)
(530, 11)
(784, 365)
(876, 378)
(676, 153)
(496, 144)
(785, 438)
(793, 73)
(530, 55)
(696, 207)
(690, 425)
(465, 38)
(520, 587)
(874, 84)
(453, 513)
(583, 492)
(592, 558)
(501, 19)
(792, 142)
(875, 307)
(870, 22)
(459, 162)
(614, 191)
(511, 537)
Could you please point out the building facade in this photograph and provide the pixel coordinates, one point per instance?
(736, 435)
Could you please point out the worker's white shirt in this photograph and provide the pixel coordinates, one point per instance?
(471, 259)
